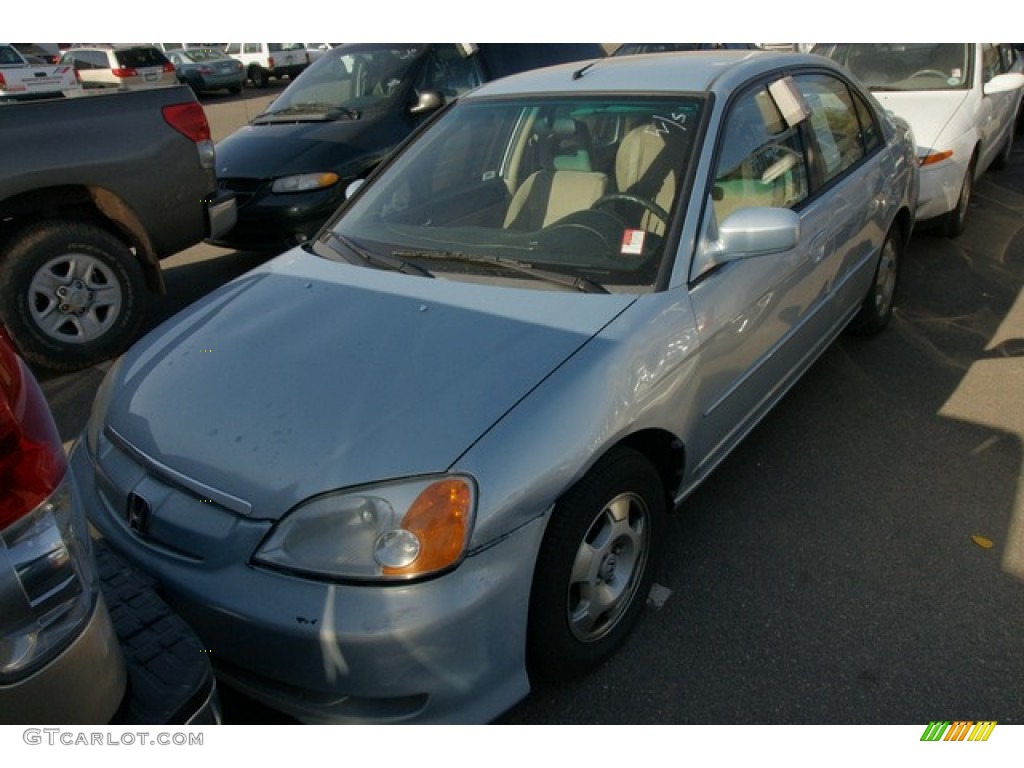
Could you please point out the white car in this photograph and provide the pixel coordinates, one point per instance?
(316, 50)
(962, 102)
(120, 66)
(263, 61)
(21, 80)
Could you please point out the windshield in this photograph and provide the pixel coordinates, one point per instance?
(905, 66)
(354, 78)
(583, 187)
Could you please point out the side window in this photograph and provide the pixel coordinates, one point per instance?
(990, 61)
(1008, 57)
(761, 162)
(871, 135)
(449, 72)
(233, 48)
(252, 47)
(833, 122)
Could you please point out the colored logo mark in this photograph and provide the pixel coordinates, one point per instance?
(958, 730)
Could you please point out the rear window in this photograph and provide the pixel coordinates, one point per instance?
(278, 47)
(141, 57)
(9, 56)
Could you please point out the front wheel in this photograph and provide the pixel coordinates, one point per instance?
(71, 294)
(956, 220)
(595, 566)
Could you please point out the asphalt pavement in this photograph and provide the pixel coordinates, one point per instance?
(860, 557)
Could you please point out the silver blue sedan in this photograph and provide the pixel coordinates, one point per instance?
(412, 467)
(207, 69)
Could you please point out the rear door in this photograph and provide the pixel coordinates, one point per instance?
(763, 320)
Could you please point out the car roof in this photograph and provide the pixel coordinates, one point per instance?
(675, 72)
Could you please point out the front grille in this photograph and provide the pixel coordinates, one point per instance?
(244, 189)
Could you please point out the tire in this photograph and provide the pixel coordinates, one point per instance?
(956, 220)
(259, 77)
(876, 310)
(595, 566)
(71, 294)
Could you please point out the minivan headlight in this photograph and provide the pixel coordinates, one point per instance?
(303, 182)
(394, 531)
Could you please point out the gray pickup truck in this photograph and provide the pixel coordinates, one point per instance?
(95, 191)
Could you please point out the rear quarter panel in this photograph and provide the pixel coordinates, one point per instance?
(118, 142)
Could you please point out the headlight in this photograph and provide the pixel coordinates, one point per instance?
(303, 182)
(390, 532)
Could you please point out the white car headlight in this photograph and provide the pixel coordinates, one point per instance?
(303, 182)
(390, 532)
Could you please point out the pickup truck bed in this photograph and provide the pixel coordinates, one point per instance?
(101, 187)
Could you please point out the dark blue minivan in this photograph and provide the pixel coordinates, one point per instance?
(290, 166)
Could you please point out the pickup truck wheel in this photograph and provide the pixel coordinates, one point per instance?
(72, 294)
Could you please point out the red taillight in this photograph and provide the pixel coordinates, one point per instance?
(124, 72)
(3, 83)
(189, 120)
(168, 67)
(32, 459)
(270, 62)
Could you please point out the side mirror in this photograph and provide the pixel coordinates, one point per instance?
(352, 188)
(1008, 81)
(428, 101)
(757, 232)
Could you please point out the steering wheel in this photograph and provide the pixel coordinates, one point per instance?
(930, 72)
(625, 197)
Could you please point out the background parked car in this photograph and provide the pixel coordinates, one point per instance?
(263, 61)
(121, 66)
(21, 79)
(207, 69)
(289, 167)
(84, 638)
(472, 400)
(316, 50)
(48, 53)
(962, 101)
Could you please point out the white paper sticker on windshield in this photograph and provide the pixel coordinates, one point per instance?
(633, 242)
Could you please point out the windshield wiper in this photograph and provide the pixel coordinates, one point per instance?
(319, 110)
(583, 284)
(393, 263)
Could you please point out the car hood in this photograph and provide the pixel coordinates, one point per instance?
(928, 113)
(346, 146)
(308, 375)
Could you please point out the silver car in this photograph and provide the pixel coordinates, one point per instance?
(404, 471)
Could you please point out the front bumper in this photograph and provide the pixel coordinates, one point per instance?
(940, 189)
(446, 650)
(221, 214)
(270, 222)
